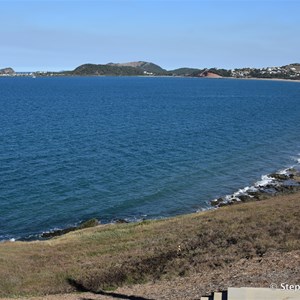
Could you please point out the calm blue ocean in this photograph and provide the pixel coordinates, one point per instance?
(127, 147)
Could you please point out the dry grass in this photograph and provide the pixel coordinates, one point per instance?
(112, 255)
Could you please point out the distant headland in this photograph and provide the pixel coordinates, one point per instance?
(142, 68)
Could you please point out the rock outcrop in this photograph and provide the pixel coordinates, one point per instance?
(278, 184)
(59, 232)
(209, 75)
(7, 71)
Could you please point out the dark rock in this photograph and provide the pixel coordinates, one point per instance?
(296, 178)
(293, 172)
(280, 188)
(216, 202)
(223, 204)
(256, 194)
(59, 232)
(245, 198)
(279, 176)
(268, 186)
(233, 200)
(89, 223)
(121, 221)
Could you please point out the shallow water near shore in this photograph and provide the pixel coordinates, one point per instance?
(127, 147)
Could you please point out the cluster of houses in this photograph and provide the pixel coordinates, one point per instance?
(9, 72)
(18, 74)
(290, 71)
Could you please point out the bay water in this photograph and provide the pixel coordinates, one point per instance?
(75, 148)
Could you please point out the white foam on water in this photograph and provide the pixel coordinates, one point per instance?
(240, 192)
(284, 171)
(6, 238)
(245, 190)
(265, 180)
(261, 184)
(205, 208)
(231, 197)
(296, 158)
(227, 198)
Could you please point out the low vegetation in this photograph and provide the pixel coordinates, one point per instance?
(108, 70)
(127, 69)
(108, 256)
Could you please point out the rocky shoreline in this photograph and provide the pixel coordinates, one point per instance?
(271, 185)
(82, 225)
(59, 232)
(279, 183)
(274, 184)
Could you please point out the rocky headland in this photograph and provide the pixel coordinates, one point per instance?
(274, 184)
(7, 72)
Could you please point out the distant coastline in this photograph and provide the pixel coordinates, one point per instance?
(147, 69)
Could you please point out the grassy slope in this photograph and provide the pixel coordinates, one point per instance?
(112, 255)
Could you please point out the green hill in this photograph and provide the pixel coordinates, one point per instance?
(147, 68)
(119, 69)
(184, 71)
(108, 70)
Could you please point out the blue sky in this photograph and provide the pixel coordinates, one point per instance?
(62, 34)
